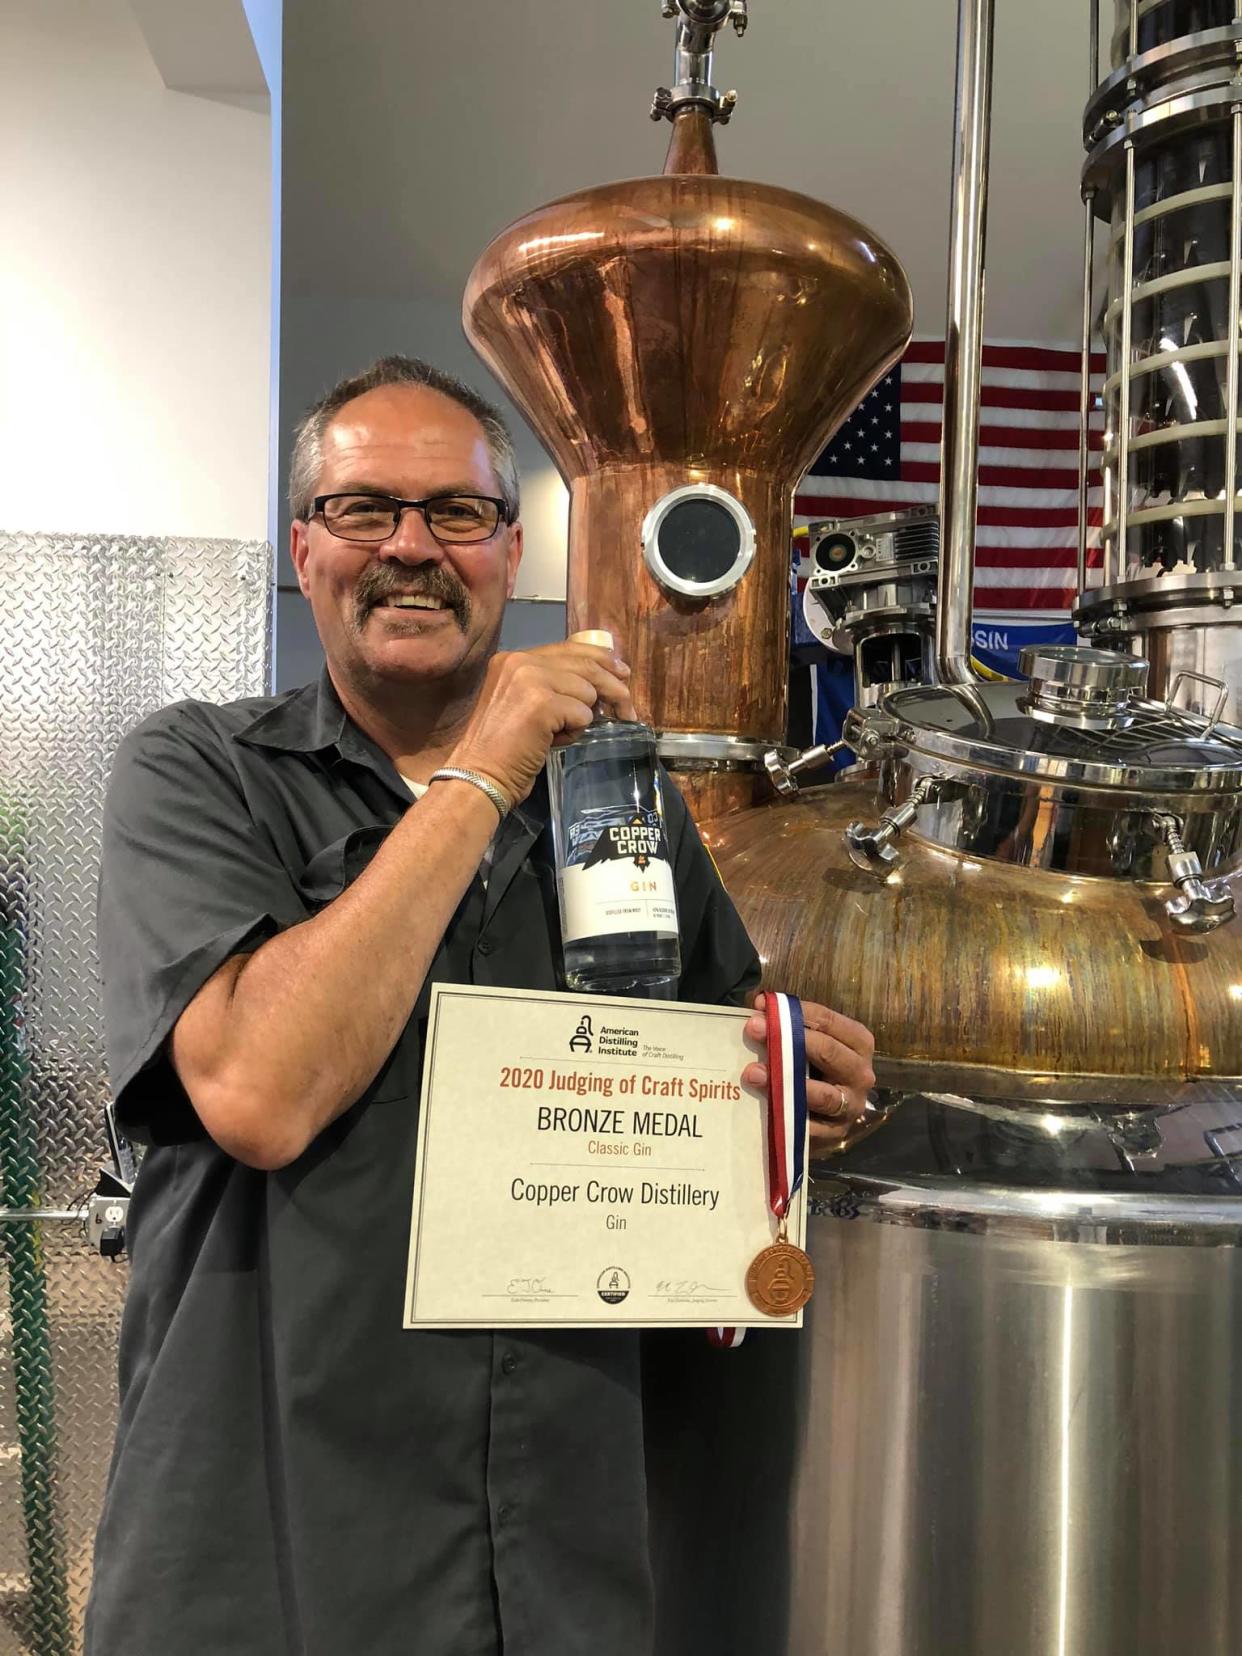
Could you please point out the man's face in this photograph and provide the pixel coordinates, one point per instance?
(411, 442)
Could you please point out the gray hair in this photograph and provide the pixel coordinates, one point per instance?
(306, 461)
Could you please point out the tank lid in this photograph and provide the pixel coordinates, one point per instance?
(1152, 746)
(1090, 689)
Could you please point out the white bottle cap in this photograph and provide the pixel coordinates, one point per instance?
(593, 635)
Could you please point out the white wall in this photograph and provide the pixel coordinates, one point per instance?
(134, 286)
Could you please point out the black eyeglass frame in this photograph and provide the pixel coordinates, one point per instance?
(400, 507)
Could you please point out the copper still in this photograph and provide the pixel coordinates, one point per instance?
(1008, 1426)
(684, 345)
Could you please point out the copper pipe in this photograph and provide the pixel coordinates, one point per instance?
(691, 146)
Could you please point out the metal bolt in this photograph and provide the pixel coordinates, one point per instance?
(1173, 836)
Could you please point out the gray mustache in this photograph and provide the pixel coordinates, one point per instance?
(377, 585)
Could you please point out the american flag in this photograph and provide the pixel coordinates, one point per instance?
(887, 455)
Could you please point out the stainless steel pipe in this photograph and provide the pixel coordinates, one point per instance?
(963, 349)
(1084, 397)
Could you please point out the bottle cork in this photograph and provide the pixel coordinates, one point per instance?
(593, 635)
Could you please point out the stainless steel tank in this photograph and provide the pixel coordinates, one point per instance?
(1009, 1427)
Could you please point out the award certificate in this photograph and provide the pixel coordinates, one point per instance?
(588, 1162)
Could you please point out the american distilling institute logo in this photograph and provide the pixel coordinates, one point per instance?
(613, 1285)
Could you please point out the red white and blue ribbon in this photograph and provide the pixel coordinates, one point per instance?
(787, 1116)
(787, 1091)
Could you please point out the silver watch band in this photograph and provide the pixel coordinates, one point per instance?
(453, 773)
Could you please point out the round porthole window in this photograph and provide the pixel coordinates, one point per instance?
(698, 540)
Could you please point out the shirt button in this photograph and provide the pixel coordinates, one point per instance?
(485, 945)
(505, 1513)
(508, 1362)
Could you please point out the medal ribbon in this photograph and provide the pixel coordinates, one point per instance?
(787, 1092)
(787, 1116)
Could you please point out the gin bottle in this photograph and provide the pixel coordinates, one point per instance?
(614, 877)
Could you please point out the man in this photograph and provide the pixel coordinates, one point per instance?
(283, 879)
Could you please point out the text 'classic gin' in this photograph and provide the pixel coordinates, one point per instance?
(614, 877)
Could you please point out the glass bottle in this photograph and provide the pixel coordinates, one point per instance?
(614, 877)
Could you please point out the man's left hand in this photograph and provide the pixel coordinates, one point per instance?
(839, 1053)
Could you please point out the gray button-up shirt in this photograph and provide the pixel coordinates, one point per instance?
(295, 1474)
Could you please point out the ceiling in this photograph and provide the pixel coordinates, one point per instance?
(413, 132)
(205, 47)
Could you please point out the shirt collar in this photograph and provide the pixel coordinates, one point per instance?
(304, 721)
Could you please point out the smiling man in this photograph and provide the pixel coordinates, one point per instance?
(283, 880)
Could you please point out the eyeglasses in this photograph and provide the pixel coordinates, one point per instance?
(374, 517)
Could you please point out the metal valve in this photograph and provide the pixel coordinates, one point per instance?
(782, 773)
(873, 848)
(1200, 905)
(698, 22)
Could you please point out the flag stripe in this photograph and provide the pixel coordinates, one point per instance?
(919, 469)
(1005, 600)
(989, 516)
(1008, 436)
(1039, 358)
(1000, 396)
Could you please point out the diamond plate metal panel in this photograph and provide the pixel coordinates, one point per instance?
(94, 634)
(60, 1313)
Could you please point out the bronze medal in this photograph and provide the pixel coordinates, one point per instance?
(780, 1280)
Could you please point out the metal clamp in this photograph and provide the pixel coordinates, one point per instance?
(708, 750)
(872, 848)
(872, 733)
(1201, 678)
(1200, 905)
(783, 772)
(698, 22)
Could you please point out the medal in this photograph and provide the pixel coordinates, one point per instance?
(781, 1279)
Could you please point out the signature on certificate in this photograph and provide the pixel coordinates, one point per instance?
(522, 1287)
(686, 1288)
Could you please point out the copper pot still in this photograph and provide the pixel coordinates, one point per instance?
(684, 345)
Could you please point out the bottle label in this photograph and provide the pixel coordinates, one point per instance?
(618, 879)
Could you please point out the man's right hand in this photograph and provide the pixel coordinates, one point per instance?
(533, 700)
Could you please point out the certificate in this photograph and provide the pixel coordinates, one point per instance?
(588, 1162)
